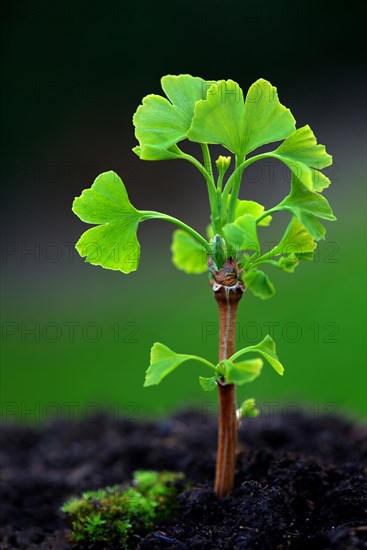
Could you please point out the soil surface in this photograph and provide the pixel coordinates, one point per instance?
(300, 482)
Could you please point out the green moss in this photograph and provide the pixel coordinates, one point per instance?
(114, 514)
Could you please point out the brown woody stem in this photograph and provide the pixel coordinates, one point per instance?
(227, 299)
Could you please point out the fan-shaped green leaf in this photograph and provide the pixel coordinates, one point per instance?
(307, 206)
(301, 153)
(241, 126)
(296, 244)
(259, 283)
(161, 123)
(208, 384)
(267, 350)
(112, 244)
(241, 234)
(241, 372)
(296, 240)
(253, 208)
(163, 361)
(187, 254)
(286, 263)
(303, 147)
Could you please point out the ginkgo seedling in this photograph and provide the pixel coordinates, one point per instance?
(216, 112)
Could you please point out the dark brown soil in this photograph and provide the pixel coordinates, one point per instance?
(300, 483)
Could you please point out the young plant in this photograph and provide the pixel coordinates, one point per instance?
(216, 112)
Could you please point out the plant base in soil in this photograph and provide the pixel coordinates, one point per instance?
(300, 482)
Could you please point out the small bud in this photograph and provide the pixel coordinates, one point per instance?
(219, 251)
(248, 409)
(223, 164)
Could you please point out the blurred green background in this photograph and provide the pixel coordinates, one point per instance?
(76, 338)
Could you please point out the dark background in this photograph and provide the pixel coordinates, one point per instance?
(73, 75)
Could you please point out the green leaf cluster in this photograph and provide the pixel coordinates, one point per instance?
(163, 361)
(215, 112)
(111, 516)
